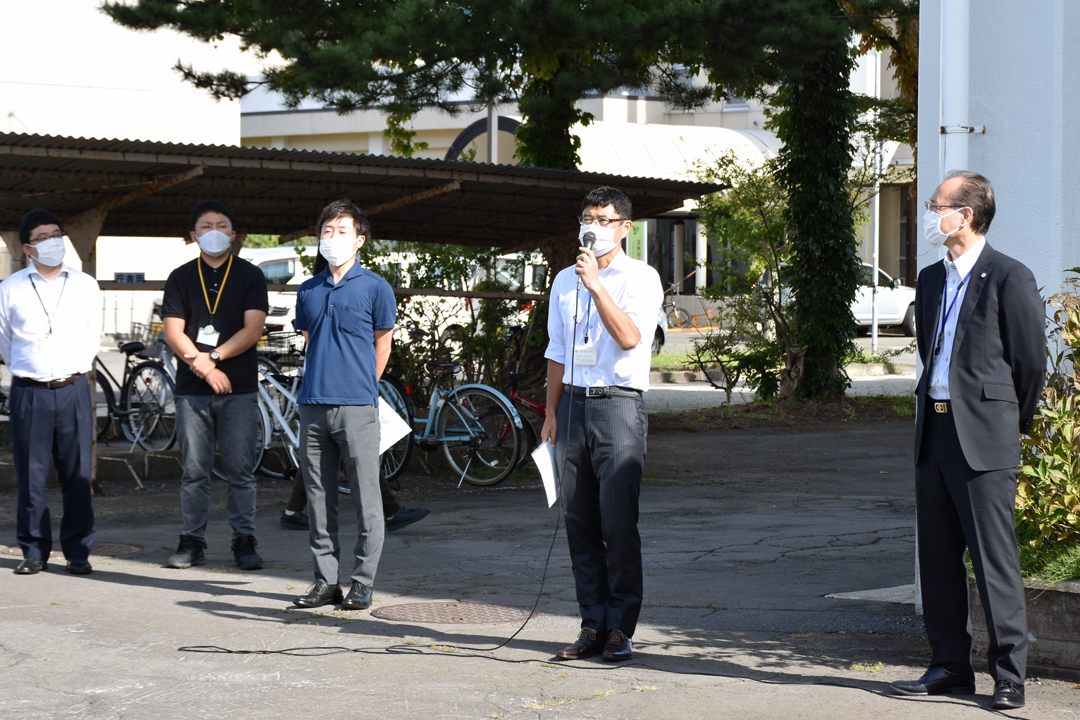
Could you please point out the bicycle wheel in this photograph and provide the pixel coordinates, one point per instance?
(105, 430)
(529, 440)
(260, 433)
(478, 435)
(396, 458)
(678, 318)
(281, 458)
(150, 407)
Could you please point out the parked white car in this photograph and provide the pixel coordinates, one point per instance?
(895, 302)
(280, 266)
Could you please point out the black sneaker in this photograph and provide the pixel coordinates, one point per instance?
(296, 521)
(405, 516)
(243, 547)
(189, 552)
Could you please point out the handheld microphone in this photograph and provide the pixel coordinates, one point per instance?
(587, 241)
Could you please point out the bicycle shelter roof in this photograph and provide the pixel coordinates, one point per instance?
(146, 189)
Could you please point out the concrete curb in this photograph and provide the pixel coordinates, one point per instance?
(1053, 617)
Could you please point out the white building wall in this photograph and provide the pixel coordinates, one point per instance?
(1023, 69)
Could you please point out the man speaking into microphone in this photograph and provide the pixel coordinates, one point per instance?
(600, 324)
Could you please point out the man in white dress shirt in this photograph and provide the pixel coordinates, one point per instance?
(599, 353)
(50, 331)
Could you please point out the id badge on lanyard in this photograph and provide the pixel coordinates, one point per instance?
(586, 353)
(209, 335)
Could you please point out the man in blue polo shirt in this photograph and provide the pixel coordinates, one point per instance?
(347, 316)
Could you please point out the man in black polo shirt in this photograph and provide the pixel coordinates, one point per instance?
(214, 311)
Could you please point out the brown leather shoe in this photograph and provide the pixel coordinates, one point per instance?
(618, 647)
(589, 643)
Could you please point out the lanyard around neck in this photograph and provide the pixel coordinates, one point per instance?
(949, 309)
(206, 295)
(48, 317)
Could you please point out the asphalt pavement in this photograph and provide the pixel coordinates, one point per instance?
(745, 534)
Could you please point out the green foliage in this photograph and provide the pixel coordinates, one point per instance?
(261, 241)
(815, 123)
(1048, 492)
(407, 55)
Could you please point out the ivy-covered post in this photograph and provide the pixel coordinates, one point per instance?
(815, 124)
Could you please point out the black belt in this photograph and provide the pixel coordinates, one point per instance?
(609, 391)
(941, 407)
(50, 384)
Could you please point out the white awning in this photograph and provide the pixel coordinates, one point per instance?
(666, 151)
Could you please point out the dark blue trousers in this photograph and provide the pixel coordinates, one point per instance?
(58, 426)
(603, 445)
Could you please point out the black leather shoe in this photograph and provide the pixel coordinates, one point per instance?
(589, 643)
(244, 554)
(937, 681)
(618, 647)
(31, 566)
(321, 593)
(79, 567)
(1008, 695)
(359, 597)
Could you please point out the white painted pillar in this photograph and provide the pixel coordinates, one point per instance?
(955, 61)
(701, 252)
(493, 133)
(678, 250)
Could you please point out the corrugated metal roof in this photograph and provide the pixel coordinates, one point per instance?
(275, 191)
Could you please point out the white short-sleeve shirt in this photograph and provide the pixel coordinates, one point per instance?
(69, 304)
(635, 287)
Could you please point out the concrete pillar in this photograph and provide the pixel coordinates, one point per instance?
(237, 243)
(678, 250)
(83, 230)
(702, 255)
(14, 247)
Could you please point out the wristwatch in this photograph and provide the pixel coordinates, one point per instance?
(215, 356)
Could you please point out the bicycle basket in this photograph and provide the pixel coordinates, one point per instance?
(285, 348)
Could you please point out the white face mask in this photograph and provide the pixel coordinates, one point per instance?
(50, 252)
(605, 238)
(338, 250)
(214, 243)
(932, 227)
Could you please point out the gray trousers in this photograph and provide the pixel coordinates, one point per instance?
(228, 423)
(330, 434)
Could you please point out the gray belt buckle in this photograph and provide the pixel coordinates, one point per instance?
(594, 392)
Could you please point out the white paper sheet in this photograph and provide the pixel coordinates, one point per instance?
(544, 457)
(392, 427)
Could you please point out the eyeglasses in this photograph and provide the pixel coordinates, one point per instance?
(606, 222)
(930, 206)
(36, 240)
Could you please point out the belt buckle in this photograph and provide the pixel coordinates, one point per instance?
(941, 407)
(594, 392)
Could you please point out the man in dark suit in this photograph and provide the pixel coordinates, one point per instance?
(980, 333)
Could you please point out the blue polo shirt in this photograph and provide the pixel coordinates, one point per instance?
(341, 321)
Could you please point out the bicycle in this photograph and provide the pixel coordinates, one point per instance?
(147, 414)
(530, 437)
(676, 316)
(475, 426)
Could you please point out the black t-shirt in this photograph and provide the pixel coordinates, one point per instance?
(245, 289)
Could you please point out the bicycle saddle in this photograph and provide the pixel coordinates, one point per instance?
(132, 348)
(441, 370)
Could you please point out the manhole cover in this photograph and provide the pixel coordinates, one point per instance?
(114, 549)
(452, 613)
